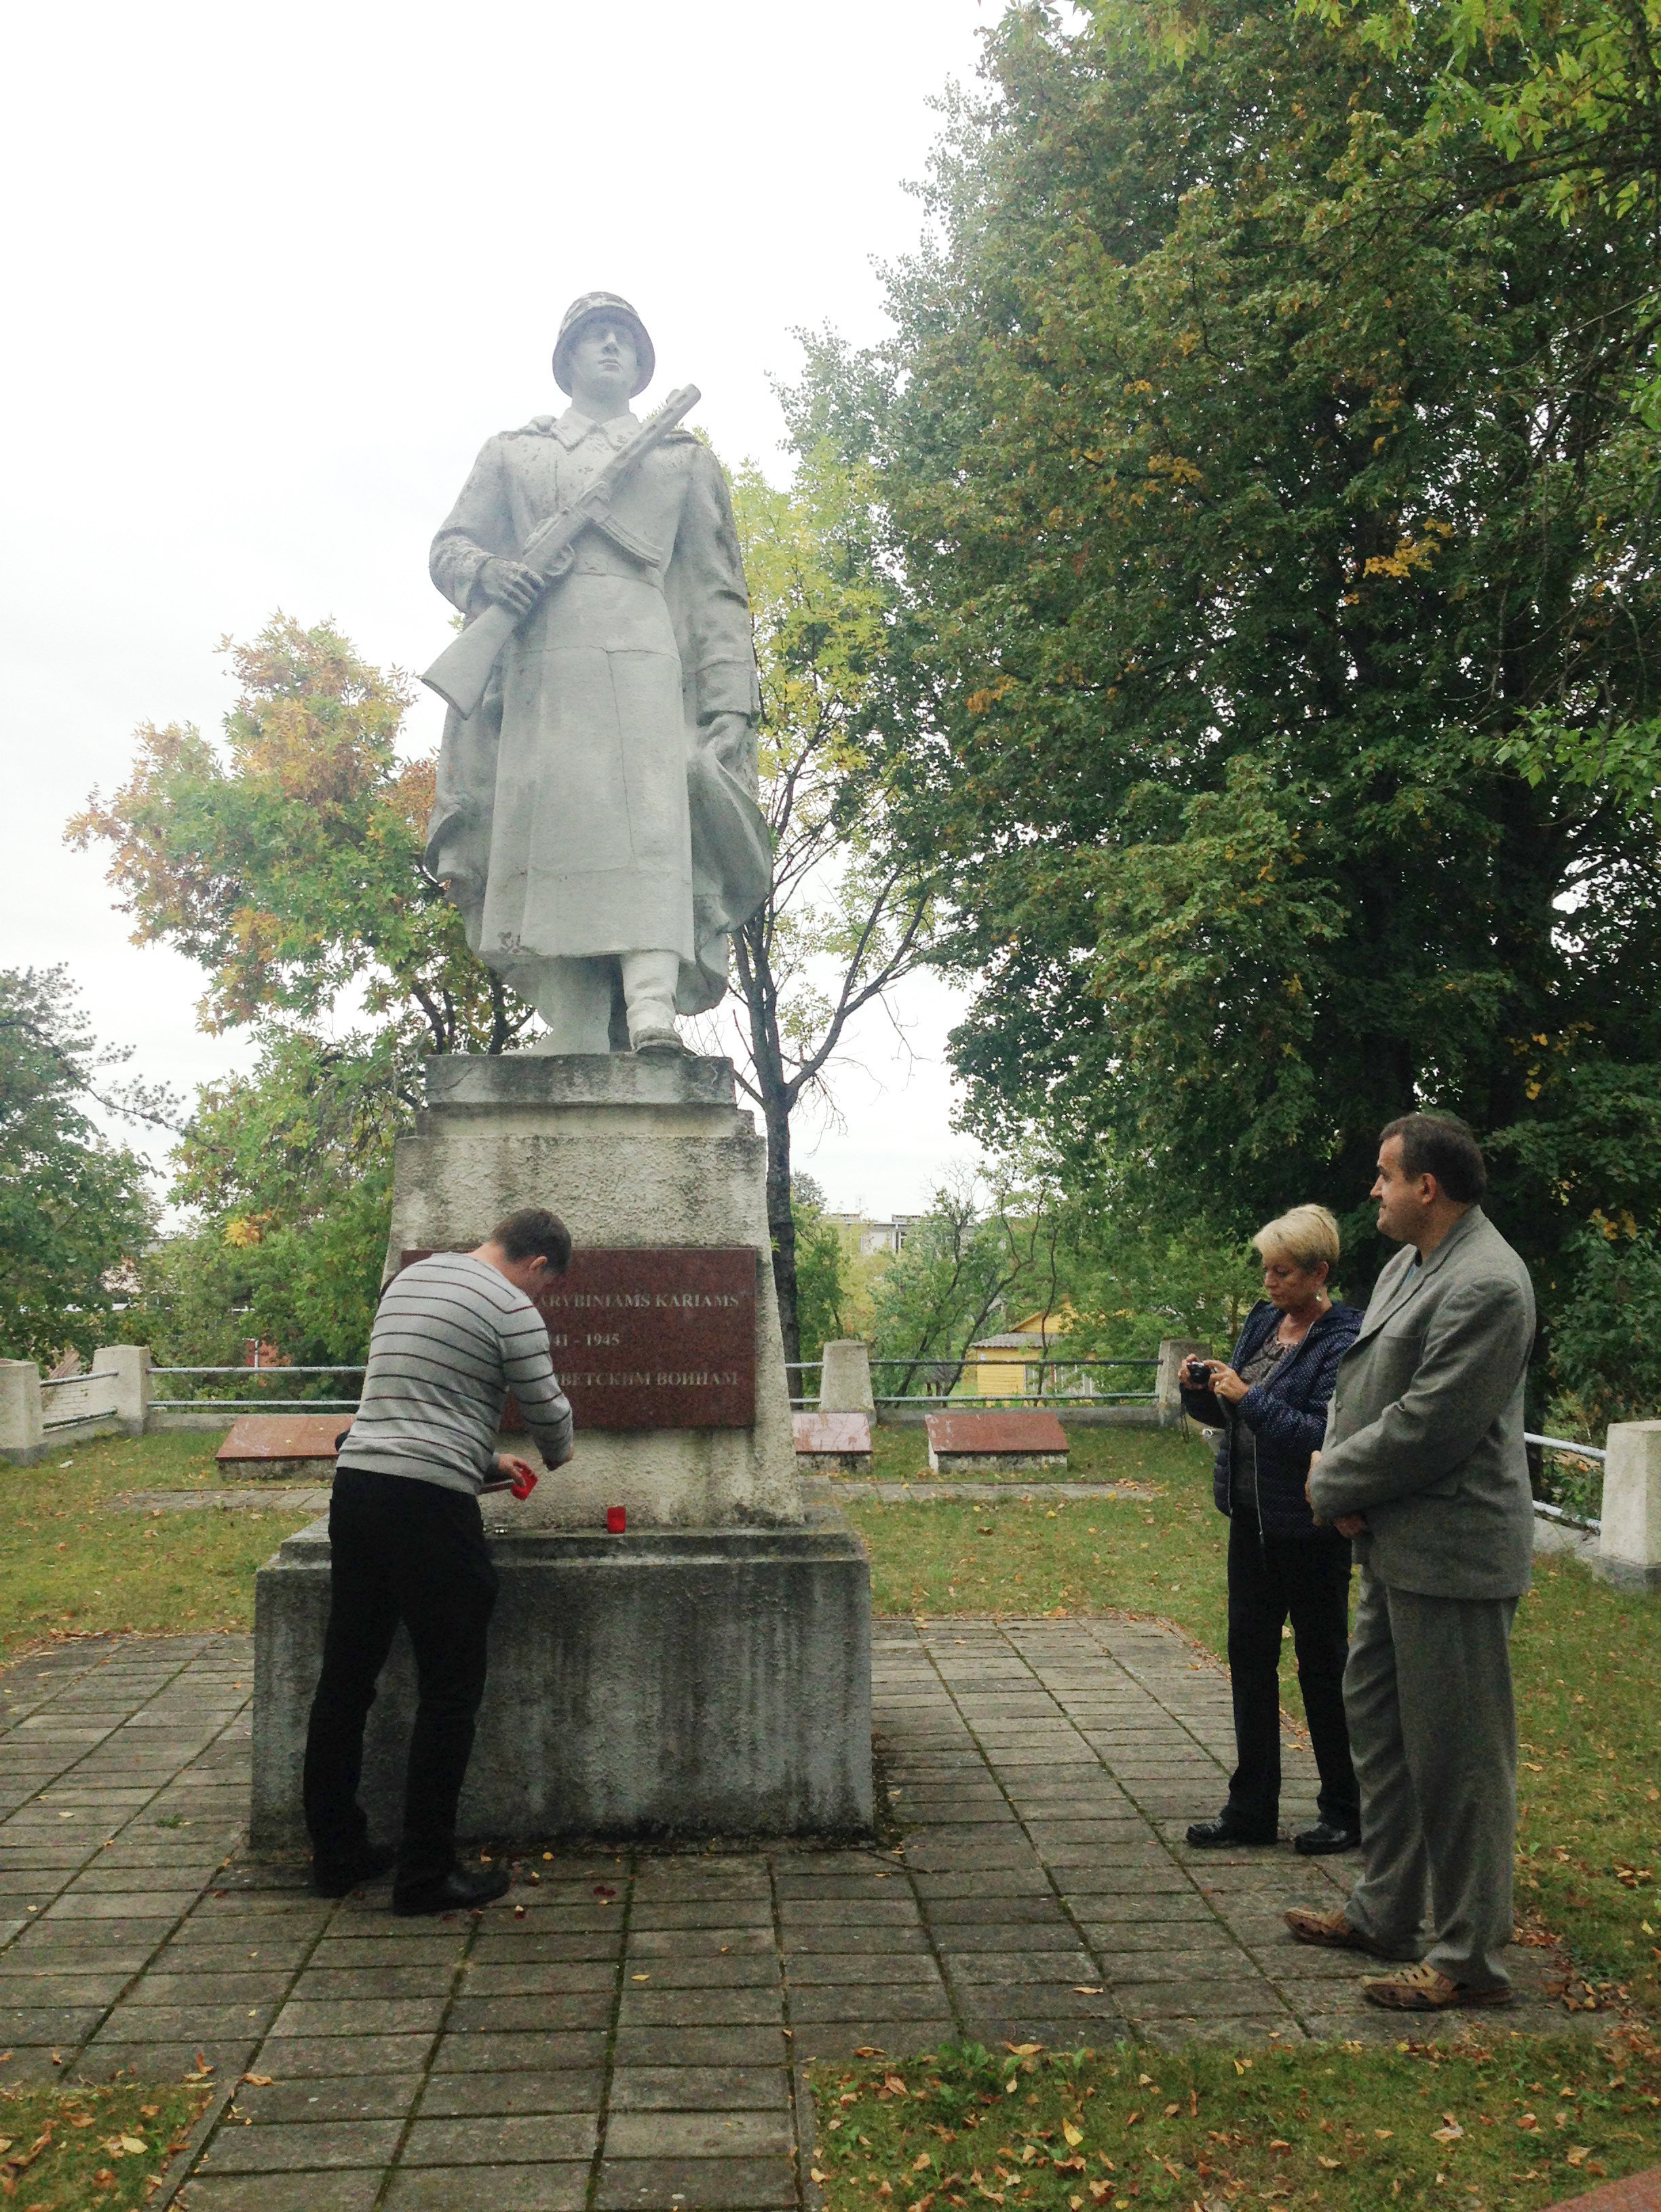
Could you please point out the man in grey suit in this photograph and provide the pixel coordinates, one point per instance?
(1424, 1467)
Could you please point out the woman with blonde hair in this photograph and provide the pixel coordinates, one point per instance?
(1270, 1403)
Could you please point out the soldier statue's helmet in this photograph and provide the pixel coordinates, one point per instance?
(601, 307)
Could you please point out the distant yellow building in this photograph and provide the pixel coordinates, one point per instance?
(1007, 1366)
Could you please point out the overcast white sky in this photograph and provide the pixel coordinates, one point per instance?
(275, 274)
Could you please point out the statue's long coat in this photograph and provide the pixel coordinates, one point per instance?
(577, 812)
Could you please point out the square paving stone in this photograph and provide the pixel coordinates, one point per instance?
(460, 2096)
(992, 1967)
(649, 2008)
(690, 2134)
(304, 2146)
(285, 2192)
(321, 1985)
(533, 1977)
(663, 2185)
(48, 2023)
(144, 2023)
(590, 2008)
(854, 1969)
(747, 1971)
(887, 1939)
(159, 2062)
(649, 1914)
(295, 2057)
(492, 2188)
(360, 2016)
(479, 2053)
(698, 2088)
(504, 2139)
(357, 2097)
(865, 2002)
(695, 2046)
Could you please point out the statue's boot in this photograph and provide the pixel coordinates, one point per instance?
(648, 990)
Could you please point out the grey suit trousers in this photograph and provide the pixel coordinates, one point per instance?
(1432, 1730)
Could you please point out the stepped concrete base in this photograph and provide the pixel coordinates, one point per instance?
(675, 1683)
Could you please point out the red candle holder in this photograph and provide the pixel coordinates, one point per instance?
(617, 1520)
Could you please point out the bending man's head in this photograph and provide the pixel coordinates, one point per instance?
(529, 1247)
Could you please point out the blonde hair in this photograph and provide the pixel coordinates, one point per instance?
(1305, 1235)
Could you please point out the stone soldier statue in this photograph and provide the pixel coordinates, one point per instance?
(596, 819)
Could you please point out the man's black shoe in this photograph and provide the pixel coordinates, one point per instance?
(1213, 1835)
(1328, 1836)
(455, 1891)
(339, 1880)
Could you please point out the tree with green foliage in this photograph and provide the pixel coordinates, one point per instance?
(286, 861)
(821, 1273)
(846, 919)
(74, 1207)
(976, 1251)
(1256, 463)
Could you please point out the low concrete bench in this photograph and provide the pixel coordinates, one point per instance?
(281, 1448)
(833, 1443)
(994, 1444)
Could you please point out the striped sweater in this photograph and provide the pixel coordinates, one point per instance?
(451, 1338)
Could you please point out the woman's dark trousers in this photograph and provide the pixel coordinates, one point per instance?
(1271, 1579)
(399, 1551)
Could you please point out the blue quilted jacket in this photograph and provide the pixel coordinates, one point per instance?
(1286, 1413)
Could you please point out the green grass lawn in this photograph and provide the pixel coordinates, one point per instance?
(67, 2151)
(70, 1566)
(1508, 2122)
(1587, 1661)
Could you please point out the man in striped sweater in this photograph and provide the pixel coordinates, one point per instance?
(453, 1335)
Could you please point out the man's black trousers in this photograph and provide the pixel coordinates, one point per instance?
(1271, 1578)
(409, 1551)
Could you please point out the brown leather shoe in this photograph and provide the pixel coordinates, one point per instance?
(1334, 1930)
(1424, 1989)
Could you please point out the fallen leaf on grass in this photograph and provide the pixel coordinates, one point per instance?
(1074, 2136)
(922, 2159)
(895, 2085)
(1332, 2165)
(1578, 2154)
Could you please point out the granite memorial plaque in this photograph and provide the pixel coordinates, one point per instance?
(653, 1339)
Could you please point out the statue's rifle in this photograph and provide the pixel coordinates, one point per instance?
(462, 671)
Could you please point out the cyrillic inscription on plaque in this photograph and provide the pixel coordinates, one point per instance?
(654, 1339)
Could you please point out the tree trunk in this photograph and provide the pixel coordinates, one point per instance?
(777, 1095)
(782, 1228)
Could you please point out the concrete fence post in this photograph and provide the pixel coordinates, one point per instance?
(1167, 1391)
(21, 1440)
(128, 1367)
(1628, 1553)
(845, 1377)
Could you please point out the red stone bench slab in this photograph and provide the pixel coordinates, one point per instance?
(833, 1443)
(282, 1447)
(994, 1444)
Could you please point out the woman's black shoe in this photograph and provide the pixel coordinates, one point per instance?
(330, 1880)
(455, 1893)
(1209, 1835)
(1328, 1836)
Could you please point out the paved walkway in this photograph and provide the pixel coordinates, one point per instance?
(636, 2021)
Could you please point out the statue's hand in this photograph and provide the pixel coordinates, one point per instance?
(727, 736)
(510, 584)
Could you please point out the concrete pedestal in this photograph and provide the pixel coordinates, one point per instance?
(648, 1151)
(678, 1683)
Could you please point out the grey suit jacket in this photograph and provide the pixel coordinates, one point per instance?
(1425, 1430)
